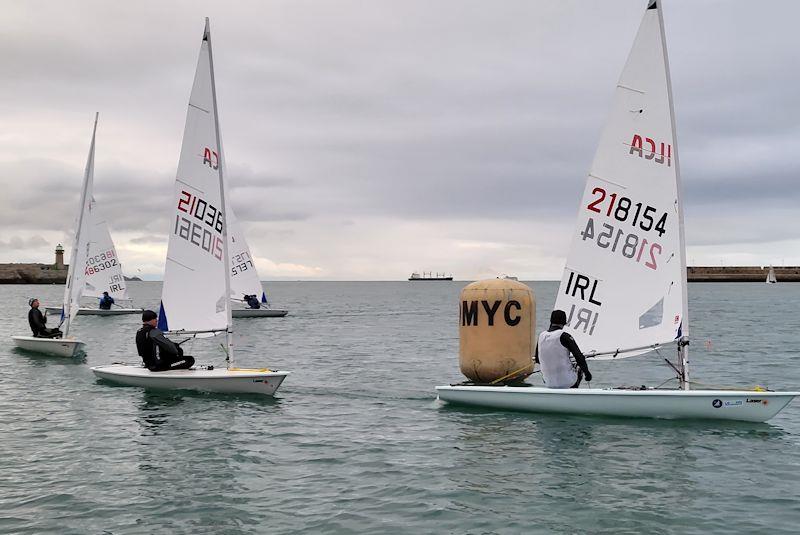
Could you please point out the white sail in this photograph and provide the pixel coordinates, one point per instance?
(80, 244)
(195, 295)
(771, 279)
(624, 283)
(244, 275)
(103, 271)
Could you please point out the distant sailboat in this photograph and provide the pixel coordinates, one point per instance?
(76, 275)
(103, 269)
(624, 284)
(244, 275)
(195, 298)
(771, 276)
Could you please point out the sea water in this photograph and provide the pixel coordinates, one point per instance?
(355, 441)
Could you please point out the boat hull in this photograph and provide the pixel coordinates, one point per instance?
(221, 380)
(739, 405)
(258, 313)
(98, 311)
(58, 347)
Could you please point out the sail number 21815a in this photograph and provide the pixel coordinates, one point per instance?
(628, 245)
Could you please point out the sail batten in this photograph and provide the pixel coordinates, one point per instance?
(618, 285)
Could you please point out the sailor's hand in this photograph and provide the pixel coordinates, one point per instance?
(588, 375)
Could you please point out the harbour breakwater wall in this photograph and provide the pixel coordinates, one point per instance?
(32, 274)
(741, 273)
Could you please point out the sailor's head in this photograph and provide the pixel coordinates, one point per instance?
(33, 302)
(558, 318)
(149, 318)
(105, 294)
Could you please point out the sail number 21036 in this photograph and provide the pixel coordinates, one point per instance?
(628, 245)
(623, 209)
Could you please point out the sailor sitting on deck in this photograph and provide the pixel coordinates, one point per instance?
(553, 354)
(37, 322)
(106, 301)
(252, 301)
(158, 353)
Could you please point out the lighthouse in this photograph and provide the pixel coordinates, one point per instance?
(59, 257)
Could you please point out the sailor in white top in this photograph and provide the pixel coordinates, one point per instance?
(553, 355)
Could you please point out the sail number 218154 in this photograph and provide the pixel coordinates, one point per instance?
(623, 209)
(628, 245)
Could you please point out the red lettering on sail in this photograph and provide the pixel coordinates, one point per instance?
(211, 158)
(650, 149)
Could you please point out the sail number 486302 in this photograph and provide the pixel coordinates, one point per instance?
(622, 208)
(628, 244)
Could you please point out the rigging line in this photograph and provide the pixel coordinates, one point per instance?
(515, 372)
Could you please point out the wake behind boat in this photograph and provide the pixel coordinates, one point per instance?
(624, 283)
(195, 298)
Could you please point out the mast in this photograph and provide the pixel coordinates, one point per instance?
(73, 257)
(225, 254)
(683, 342)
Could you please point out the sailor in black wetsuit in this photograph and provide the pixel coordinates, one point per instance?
(158, 353)
(106, 301)
(252, 301)
(37, 322)
(553, 355)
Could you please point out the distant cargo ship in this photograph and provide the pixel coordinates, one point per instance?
(429, 276)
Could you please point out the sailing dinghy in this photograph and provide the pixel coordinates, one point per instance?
(771, 279)
(244, 275)
(195, 299)
(76, 277)
(103, 270)
(624, 284)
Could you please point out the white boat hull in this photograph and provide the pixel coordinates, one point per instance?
(98, 311)
(233, 381)
(58, 347)
(740, 405)
(258, 313)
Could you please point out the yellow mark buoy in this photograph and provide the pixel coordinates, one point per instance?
(497, 319)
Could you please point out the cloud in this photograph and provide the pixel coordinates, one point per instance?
(366, 140)
(16, 243)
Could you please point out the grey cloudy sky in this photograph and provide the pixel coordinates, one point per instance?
(369, 139)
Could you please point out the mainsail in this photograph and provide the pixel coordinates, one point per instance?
(624, 283)
(244, 276)
(771, 279)
(103, 270)
(195, 295)
(80, 244)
